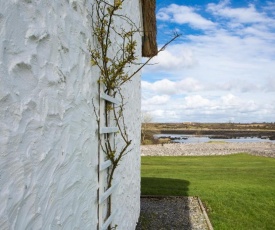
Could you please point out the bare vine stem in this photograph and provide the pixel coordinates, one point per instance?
(112, 60)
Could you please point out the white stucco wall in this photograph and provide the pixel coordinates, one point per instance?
(48, 136)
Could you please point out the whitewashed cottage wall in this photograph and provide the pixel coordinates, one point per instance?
(48, 129)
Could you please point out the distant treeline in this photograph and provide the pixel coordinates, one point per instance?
(212, 126)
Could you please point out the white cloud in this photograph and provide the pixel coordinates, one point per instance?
(169, 87)
(164, 86)
(242, 86)
(230, 100)
(242, 15)
(270, 7)
(270, 85)
(174, 57)
(219, 75)
(184, 15)
(196, 101)
(156, 100)
(189, 85)
(258, 31)
(212, 109)
(226, 54)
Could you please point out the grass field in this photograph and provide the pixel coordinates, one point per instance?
(238, 190)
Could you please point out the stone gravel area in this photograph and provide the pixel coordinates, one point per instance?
(172, 213)
(206, 149)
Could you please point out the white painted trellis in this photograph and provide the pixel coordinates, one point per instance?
(103, 194)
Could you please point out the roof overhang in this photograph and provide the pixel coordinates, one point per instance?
(149, 43)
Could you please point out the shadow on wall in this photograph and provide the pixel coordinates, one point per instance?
(164, 186)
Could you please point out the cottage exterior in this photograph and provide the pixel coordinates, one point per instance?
(49, 98)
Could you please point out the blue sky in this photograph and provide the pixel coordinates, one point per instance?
(221, 69)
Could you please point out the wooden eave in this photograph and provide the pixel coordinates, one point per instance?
(149, 41)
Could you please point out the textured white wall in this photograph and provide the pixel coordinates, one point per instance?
(48, 136)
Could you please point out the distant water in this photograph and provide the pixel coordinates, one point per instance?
(203, 139)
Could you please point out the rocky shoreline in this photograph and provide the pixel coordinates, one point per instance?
(266, 149)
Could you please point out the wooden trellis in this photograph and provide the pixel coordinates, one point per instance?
(104, 217)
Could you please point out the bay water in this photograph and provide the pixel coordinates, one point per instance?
(204, 138)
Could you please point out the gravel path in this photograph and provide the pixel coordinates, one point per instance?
(172, 213)
(206, 149)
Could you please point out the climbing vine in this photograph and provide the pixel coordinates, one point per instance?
(113, 52)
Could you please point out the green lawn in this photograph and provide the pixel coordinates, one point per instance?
(238, 190)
